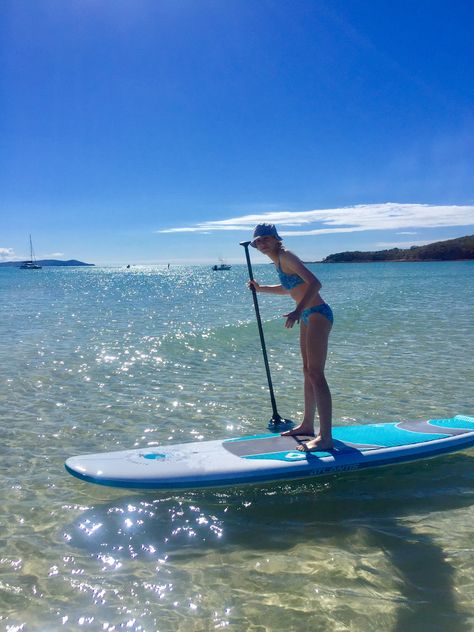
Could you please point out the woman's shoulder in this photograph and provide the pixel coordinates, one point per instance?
(288, 256)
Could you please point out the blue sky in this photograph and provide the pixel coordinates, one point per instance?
(138, 131)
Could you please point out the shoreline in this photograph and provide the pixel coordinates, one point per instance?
(397, 261)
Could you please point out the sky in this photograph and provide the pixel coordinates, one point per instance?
(162, 131)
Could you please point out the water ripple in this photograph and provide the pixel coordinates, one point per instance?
(103, 359)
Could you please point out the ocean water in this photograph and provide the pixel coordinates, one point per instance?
(98, 359)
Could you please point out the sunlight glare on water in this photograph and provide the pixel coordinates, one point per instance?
(103, 359)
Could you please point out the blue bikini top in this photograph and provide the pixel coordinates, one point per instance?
(288, 281)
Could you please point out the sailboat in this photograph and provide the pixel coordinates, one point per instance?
(31, 264)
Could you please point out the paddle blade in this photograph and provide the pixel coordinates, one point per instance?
(278, 424)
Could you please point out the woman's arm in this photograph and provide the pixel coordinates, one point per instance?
(268, 289)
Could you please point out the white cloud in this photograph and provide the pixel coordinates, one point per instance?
(6, 253)
(348, 219)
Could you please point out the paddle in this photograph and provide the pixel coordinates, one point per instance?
(276, 423)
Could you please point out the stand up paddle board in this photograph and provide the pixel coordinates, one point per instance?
(268, 457)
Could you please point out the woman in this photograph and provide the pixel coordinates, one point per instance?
(315, 318)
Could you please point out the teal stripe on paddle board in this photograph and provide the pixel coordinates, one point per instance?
(456, 422)
(383, 435)
(293, 456)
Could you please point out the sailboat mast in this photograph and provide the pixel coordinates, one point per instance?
(31, 264)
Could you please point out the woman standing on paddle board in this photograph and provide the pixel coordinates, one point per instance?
(315, 318)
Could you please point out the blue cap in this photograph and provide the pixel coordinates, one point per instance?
(264, 230)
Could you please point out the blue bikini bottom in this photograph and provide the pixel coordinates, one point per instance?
(322, 309)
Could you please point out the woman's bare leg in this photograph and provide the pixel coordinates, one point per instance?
(319, 396)
(306, 427)
(314, 345)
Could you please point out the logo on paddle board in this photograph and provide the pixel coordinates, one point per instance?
(294, 456)
(150, 456)
(155, 456)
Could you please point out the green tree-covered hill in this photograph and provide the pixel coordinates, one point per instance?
(450, 250)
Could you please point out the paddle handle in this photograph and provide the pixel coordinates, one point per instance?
(276, 419)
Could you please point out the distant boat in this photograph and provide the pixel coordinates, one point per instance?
(221, 266)
(31, 264)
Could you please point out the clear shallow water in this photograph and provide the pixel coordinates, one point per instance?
(101, 359)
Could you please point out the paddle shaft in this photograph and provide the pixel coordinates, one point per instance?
(276, 419)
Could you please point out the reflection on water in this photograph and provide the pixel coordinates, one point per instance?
(349, 550)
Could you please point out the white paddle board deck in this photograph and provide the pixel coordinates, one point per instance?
(271, 457)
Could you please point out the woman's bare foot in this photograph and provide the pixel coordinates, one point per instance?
(302, 429)
(316, 445)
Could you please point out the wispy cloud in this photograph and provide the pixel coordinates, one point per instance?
(348, 219)
(6, 253)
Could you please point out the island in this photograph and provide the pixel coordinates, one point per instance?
(47, 263)
(458, 249)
